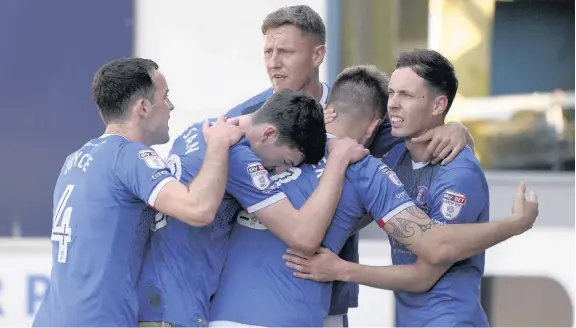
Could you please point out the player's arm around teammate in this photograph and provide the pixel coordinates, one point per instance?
(444, 142)
(417, 231)
(421, 276)
(193, 204)
(411, 98)
(304, 229)
(290, 124)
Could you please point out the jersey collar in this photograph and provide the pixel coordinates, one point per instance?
(419, 165)
(106, 135)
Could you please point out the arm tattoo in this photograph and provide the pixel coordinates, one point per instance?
(407, 224)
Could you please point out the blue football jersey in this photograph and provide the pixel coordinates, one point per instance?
(182, 268)
(345, 294)
(257, 288)
(253, 104)
(100, 229)
(449, 194)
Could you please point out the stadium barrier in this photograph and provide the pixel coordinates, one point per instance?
(542, 252)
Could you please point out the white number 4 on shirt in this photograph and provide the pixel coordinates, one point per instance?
(61, 230)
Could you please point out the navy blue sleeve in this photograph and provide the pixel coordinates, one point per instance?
(142, 171)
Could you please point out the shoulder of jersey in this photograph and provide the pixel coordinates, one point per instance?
(186, 131)
(189, 137)
(250, 105)
(117, 142)
(242, 145)
(465, 159)
(395, 151)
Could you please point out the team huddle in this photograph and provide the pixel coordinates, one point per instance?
(253, 218)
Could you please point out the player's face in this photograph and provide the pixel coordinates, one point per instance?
(291, 58)
(157, 120)
(275, 156)
(410, 103)
(278, 158)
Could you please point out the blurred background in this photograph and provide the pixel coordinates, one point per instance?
(514, 59)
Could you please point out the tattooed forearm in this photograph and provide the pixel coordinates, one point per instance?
(417, 213)
(407, 224)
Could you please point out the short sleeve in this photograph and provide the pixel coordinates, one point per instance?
(249, 182)
(142, 171)
(458, 196)
(380, 190)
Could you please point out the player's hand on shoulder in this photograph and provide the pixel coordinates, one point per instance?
(525, 208)
(349, 150)
(222, 131)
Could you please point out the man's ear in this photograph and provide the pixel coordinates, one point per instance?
(269, 134)
(440, 105)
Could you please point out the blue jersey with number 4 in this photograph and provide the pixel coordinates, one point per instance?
(182, 268)
(100, 229)
(257, 288)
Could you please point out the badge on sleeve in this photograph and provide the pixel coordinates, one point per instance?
(152, 159)
(384, 169)
(259, 176)
(452, 203)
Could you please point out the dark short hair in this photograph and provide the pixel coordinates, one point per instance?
(436, 69)
(120, 82)
(301, 16)
(299, 119)
(360, 91)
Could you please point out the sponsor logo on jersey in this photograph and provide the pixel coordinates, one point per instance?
(452, 203)
(152, 159)
(160, 221)
(249, 220)
(175, 165)
(290, 174)
(384, 169)
(259, 176)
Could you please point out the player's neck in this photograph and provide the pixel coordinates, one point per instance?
(417, 149)
(124, 130)
(314, 88)
(342, 130)
(245, 122)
